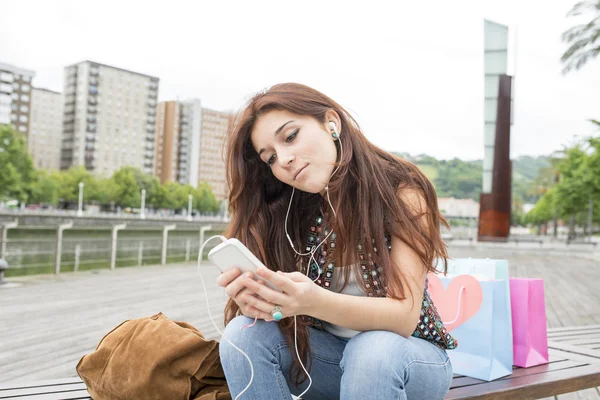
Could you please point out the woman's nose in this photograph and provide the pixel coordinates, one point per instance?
(286, 159)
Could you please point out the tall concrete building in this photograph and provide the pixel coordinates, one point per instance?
(190, 143)
(45, 128)
(109, 118)
(15, 97)
(168, 124)
(211, 164)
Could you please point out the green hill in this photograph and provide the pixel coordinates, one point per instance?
(463, 179)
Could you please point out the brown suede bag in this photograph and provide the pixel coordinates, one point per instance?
(154, 358)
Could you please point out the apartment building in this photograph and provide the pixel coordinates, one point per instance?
(15, 97)
(190, 141)
(109, 118)
(168, 123)
(45, 128)
(211, 160)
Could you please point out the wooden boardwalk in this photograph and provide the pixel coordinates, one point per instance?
(48, 323)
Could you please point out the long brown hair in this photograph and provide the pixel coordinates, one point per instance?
(364, 194)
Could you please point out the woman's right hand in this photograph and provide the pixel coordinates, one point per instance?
(232, 281)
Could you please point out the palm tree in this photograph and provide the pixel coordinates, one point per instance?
(583, 39)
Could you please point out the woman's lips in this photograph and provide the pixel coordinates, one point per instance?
(300, 172)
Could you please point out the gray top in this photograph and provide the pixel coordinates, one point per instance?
(352, 289)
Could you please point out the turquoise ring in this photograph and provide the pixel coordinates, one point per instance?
(276, 313)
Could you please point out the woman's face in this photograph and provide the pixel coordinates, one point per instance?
(299, 149)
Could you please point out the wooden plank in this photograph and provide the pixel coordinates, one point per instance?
(39, 390)
(588, 342)
(573, 329)
(575, 339)
(74, 395)
(519, 372)
(532, 386)
(48, 382)
(575, 349)
(573, 356)
(567, 334)
(588, 394)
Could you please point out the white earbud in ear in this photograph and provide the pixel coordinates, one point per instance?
(335, 134)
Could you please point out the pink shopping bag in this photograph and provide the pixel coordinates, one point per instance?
(530, 336)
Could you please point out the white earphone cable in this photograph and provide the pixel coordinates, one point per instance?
(223, 238)
(311, 253)
(311, 258)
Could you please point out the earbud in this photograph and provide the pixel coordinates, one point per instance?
(334, 134)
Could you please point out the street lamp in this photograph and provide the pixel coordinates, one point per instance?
(143, 208)
(189, 218)
(80, 205)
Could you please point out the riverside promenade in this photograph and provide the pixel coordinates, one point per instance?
(47, 323)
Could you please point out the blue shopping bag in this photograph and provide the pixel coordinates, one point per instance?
(485, 349)
(478, 267)
(481, 268)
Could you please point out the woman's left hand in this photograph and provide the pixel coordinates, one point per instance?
(299, 292)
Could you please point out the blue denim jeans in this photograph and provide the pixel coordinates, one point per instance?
(371, 365)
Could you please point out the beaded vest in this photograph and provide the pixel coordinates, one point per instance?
(430, 326)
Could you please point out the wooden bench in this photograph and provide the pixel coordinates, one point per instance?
(574, 365)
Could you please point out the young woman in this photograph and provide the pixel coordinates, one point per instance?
(348, 233)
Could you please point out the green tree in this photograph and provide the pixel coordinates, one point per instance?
(127, 190)
(583, 39)
(128, 183)
(161, 197)
(17, 172)
(107, 191)
(206, 201)
(543, 210)
(68, 184)
(44, 189)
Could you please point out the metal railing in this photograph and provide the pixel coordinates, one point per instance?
(112, 215)
(69, 249)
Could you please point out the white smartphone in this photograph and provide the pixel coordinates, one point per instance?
(232, 254)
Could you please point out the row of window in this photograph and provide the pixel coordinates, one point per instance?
(22, 118)
(21, 128)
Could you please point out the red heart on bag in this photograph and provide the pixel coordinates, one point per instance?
(455, 308)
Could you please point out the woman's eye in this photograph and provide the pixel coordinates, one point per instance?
(292, 136)
(288, 139)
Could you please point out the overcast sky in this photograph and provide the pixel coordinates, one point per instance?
(410, 72)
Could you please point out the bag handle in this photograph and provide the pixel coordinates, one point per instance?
(460, 293)
(475, 266)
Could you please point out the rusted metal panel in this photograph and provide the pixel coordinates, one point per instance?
(495, 207)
